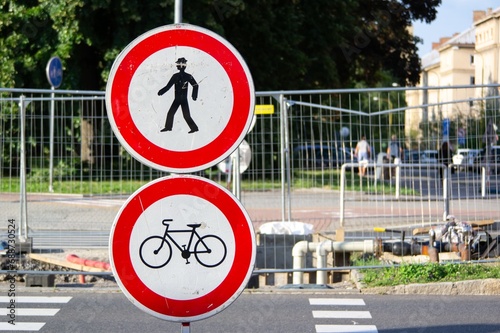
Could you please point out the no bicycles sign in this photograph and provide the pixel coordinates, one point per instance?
(182, 248)
(180, 98)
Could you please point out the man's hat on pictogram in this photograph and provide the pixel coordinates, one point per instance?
(181, 61)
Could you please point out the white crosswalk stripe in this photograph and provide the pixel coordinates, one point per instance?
(36, 299)
(21, 326)
(30, 312)
(344, 303)
(21, 312)
(346, 329)
(336, 301)
(341, 314)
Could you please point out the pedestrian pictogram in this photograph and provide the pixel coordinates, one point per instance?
(181, 81)
(182, 248)
(180, 98)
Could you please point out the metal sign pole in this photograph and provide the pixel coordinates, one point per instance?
(178, 12)
(51, 142)
(185, 328)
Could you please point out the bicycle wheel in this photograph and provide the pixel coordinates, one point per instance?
(210, 251)
(155, 252)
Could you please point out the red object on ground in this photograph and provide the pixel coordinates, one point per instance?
(86, 262)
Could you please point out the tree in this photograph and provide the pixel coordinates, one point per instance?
(288, 44)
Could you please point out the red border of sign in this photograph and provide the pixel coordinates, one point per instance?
(241, 81)
(238, 275)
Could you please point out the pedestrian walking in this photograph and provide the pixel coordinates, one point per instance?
(363, 153)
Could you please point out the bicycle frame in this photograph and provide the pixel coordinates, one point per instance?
(188, 246)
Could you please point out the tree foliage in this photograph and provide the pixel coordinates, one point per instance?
(288, 44)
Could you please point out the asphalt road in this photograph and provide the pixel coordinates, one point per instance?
(295, 312)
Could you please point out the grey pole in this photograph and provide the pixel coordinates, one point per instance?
(236, 173)
(51, 142)
(23, 216)
(282, 153)
(178, 12)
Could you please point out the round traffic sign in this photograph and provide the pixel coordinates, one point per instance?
(180, 98)
(245, 155)
(54, 72)
(182, 248)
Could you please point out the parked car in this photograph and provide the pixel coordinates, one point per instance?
(411, 156)
(464, 158)
(429, 156)
(322, 156)
(494, 160)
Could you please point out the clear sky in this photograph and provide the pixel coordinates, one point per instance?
(453, 16)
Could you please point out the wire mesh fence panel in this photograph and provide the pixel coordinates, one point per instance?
(303, 166)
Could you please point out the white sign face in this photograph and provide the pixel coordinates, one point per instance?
(182, 248)
(182, 278)
(245, 155)
(180, 98)
(149, 111)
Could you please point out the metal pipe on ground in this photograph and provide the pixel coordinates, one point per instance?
(301, 248)
(366, 246)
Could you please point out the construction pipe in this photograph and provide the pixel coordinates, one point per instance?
(86, 262)
(301, 248)
(366, 246)
(299, 251)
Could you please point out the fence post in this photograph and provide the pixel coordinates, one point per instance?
(285, 160)
(23, 215)
(446, 186)
(483, 181)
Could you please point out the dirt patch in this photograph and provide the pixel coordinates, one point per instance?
(56, 261)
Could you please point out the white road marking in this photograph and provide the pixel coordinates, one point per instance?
(336, 301)
(36, 299)
(346, 329)
(30, 312)
(21, 326)
(342, 314)
(21, 311)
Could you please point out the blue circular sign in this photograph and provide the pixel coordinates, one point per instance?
(54, 72)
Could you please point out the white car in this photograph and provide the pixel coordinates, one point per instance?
(464, 158)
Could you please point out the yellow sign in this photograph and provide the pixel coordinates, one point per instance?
(264, 109)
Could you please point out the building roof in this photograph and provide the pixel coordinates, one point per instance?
(430, 59)
(466, 37)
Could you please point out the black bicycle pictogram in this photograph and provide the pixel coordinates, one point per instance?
(156, 251)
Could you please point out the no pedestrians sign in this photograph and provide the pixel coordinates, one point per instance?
(180, 98)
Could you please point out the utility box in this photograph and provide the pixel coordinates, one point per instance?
(383, 172)
(33, 280)
(275, 252)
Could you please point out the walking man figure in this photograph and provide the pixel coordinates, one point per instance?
(180, 80)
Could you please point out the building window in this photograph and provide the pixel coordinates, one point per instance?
(472, 80)
(472, 59)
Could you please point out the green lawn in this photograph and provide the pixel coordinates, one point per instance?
(325, 179)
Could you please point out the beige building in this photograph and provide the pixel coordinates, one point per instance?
(464, 61)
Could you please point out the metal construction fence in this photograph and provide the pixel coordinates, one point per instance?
(64, 173)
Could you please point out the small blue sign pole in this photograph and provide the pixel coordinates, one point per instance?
(54, 76)
(446, 129)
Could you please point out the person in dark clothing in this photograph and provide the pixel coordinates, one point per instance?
(445, 156)
(180, 80)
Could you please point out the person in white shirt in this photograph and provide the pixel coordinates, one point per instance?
(363, 152)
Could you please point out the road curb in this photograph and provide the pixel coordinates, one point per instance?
(469, 287)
